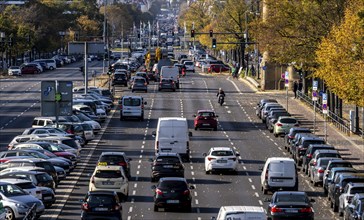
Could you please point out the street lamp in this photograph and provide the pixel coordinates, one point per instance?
(62, 34)
(4, 45)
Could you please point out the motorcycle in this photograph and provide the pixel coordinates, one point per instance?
(221, 99)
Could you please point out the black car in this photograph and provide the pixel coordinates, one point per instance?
(309, 153)
(167, 165)
(120, 78)
(292, 132)
(101, 205)
(38, 177)
(115, 159)
(302, 145)
(290, 205)
(172, 192)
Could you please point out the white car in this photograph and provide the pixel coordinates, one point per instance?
(221, 158)
(110, 178)
(14, 71)
(348, 193)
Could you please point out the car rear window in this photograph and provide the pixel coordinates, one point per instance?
(355, 190)
(131, 102)
(308, 142)
(28, 185)
(70, 143)
(168, 159)
(105, 92)
(112, 158)
(206, 114)
(45, 165)
(173, 184)
(291, 198)
(328, 155)
(86, 127)
(188, 63)
(101, 200)
(43, 177)
(288, 120)
(341, 165)
(108, 174)
(222, 153)
(120, 76)
(139, 80)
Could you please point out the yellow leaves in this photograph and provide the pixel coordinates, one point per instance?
(340, 58)
(88, 25)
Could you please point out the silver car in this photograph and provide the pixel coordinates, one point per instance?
(349, 191)
(317, 169)
(17, 202)
(139, 84)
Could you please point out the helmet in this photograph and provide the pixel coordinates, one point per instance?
(220, 89)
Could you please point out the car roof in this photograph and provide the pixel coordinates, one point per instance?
(312, 137)
(199, 111)
(242, 208)
(30, 159)
(54, 138)
(112, 153)
(325, 158)
(30, 172)
(320, 151)
(283, 117)
(343, 169)
(360, 196)
(300, 129)
(108, 167)
(15, 180)
(354, 175)
(221, 148)
(131, 96)
(280, 159)
(290, 193)
(101, 192)
(321, 146)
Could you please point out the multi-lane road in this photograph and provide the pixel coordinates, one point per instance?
(238, 127)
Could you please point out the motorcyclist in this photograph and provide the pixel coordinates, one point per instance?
(220, 92)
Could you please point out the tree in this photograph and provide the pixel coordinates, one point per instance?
(340, 57)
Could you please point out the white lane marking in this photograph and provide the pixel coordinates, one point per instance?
(250, 180)
(260, 202)
(196, 201)
(236, 87)
(131, 209)
(135, 185)
(134, 192)
(253, 187)
(192, 173)
(257, 195)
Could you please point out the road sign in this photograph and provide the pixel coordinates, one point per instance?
(324, 98)
(314, 96)
(56, 98)
(286, 79)
(315, 85)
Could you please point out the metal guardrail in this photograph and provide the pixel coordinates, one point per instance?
(31, 213)
(341, 123)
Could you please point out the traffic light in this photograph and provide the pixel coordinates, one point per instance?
(213, 43)
(192, 33)
(109, 72)
(211, 33)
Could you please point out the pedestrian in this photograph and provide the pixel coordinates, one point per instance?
(295, 88)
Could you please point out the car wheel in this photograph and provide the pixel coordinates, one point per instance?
(195, 128)
(35, 72)
(275, 135)
(265, 192)
(152, 179)
(335, 206)
(207, 172)
(215, 128)
(188, 208)
(9, 214)
(146, 91)
(174, 90)
(155, 208)
(51, 68)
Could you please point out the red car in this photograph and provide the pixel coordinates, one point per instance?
(205, 119)
(217, 68)
(30, 68)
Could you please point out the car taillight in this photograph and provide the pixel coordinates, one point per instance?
(158, 192)
(275, 210)
(306, 210)
(210, 158)
(309, 155)
(341, 189)
(85, 207)
(121, 107)
(122, 164)
(290, 137)
(3, 160)
(314, 163)
(279, 124)
(172, 82)
(321, 170)
(145, 84)
(186, 192)
(69, 131)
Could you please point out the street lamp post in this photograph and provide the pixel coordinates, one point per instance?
(62, 34)
(2, 46)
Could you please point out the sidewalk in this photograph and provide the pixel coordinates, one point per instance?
(351, 147)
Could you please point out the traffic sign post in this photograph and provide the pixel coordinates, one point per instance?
(286, 84)
(325, 111)
(314, 99)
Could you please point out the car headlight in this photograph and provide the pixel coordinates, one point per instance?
(21, 205)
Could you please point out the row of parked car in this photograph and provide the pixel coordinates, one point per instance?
(41, 65)
(43, 155)
(321, 162)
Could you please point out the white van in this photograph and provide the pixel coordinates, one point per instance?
(172, 136)
(51, 63)
(241, 213)
(132, 107)
(39, 122)
(170, 72)
(279, 173)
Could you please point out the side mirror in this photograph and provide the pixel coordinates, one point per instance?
(153, 187)
(267, 199)
(216, 116)
(312, 200)
(326, 175)
(120, 102)
(237, 154)
(190, 133)
(192, 187)
(194, 115)
(261, 168)
(130, 159)
(154, 133)
(145, 103)
(204, 154)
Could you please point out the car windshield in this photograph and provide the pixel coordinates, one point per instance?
(101, 200)
(70, 142)
(26, 185)
(222, 153)
(291, 198)
(173, 184)
(10, 190)
(131, 102)
(108, 174)
(83, 117)
(38, 155)
(206, 114)
(43, 177)
(112, 158)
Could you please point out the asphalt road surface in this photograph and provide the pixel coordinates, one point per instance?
(238, 127)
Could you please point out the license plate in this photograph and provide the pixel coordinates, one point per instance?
(291, 210)
(166, 150)
(222, 161)
(277, 180)
(108, 183)
(206, 124)
(168, 166)
(172, 201)
(47, 198)
(100, 209)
